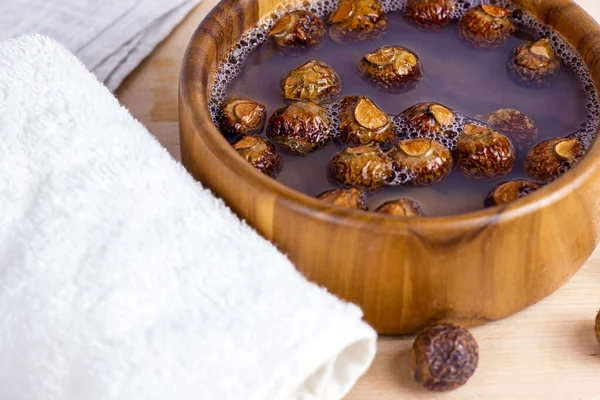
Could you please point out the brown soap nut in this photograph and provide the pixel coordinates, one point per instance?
(300, 127)
(423, 161)
(297, 31)
(516, 125)
(486, 26)
(552, 158)
(534, 64)
(391, 68)
(347, 198)
(357, 20)
(429, 120)
(401, 207)
(314, 80)
(365, 166)
(510, 191)
(444, 357)
(241, 116)
(483, 153)
(362, 122)
(597, 329)
(260, 153)
(430, 13)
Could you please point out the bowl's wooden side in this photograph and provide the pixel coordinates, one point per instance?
(403, 273)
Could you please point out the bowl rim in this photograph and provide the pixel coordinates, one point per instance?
(196, 100)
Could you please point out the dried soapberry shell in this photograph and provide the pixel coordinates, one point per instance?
(444, 357)
(347, 198)
(391, 68)
(430, 13)
(534, 64)
(510, 191)
(314, 81)
(486, 26)
(261, 153)
(517, 126)
(362, 122)
(365, 166)
(402, 207)
(597, 329)
(241, 116)
(297, 31)
(483, 153)
(429, 120)
(551, 158)
(357, 20)
(424, 161)
(300, 127)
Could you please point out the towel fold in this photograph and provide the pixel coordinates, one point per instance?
(121, 278)
(111, 37)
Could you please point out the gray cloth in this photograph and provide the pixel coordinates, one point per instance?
(111, 37)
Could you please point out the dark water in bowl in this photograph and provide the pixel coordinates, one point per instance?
(463, 78)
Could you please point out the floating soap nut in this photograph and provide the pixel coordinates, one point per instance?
(444, 357)
(300, 127)
(347, 198)
(486, 26)
(241, 116)
(391, 68)
(297, 31)
(516, 125)
(362, 122)
(429, 120)
(534, 64)
(401, 207)
(552, 158)
(260, 153)
(424, 161)
(430, 13)
(357, 20)
(507, 192)
(314, 80)
(365, 166)
(483, 153)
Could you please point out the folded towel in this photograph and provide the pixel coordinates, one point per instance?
(122, 278)
(111, 37)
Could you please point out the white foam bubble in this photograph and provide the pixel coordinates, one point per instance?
(250, 40)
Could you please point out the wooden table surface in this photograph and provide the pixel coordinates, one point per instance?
(545, 352)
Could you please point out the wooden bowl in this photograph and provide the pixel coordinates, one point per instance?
(405, 274)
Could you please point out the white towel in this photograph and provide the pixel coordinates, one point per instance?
(121, 278)
(111, 37)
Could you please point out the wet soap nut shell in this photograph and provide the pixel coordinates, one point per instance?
(430, 13)
(300, 127)
(357, 20)
(241, 116)
(314, 81)
(362, 122)
(365, 166)
(401, 207)
(483, 153)
(297, 31)
(597, 328)
(507, 192)
(347, 198)
(486, 26)
(534, 64)
(260, 153)
(391, 68)
(552, 158)
(516, 125)
(423, 161)
(444, 357)
(429, 120)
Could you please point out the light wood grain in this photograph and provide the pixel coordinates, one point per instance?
(547, 351)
